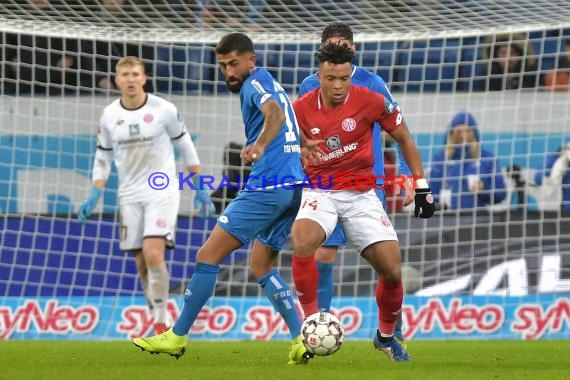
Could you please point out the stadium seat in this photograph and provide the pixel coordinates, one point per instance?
(428, 65)
(297, 62)
(377, 57)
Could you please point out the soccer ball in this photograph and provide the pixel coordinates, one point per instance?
(322, 333)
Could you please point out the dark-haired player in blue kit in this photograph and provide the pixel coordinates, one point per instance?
(263, 212)
(325, 256)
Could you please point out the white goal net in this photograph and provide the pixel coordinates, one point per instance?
(485, 272)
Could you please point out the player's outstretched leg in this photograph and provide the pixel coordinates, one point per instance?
(165, 343)
(390, 346)
(298, 353)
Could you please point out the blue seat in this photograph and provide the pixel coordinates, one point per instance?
(377, 57)
(297, 61)
(185, 68)
(430, 65)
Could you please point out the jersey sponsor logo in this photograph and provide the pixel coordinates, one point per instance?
(333, 142)
(148, 118)
(134, 129)
(390, 107)
(349, 124)
(315, 131)
(338, 152)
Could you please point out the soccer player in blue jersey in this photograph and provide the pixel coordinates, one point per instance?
(263, 212)
(325, 256)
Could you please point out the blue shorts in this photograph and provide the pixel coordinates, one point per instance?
(264, 215)
(337, 237)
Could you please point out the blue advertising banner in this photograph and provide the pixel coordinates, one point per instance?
(252, 318)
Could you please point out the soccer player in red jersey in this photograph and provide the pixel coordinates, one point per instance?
(342, 187)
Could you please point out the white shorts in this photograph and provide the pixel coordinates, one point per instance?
(148, 218)
(361, 214)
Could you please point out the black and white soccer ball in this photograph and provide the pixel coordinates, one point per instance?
(322, 333)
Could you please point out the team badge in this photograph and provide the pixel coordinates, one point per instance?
(348, 125)
(389, 105)
(333, 142)
(385, 221)
(161, 223)
(148, 118)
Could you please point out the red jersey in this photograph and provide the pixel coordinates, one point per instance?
(347, 132)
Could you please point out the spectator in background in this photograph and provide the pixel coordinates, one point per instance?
(511, 64)
(559, 78)
(556, 170)
(54, 66)
(463, 175)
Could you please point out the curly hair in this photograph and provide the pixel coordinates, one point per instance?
(238, 42)
(337, 29)
(335, 53)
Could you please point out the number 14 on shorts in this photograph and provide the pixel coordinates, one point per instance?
(312, 203)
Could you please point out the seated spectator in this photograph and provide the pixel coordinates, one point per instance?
(511, 64)
(559, 78)
(556, 172)
(463, 175)
(26, 71)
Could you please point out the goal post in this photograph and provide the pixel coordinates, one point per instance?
(467, 273)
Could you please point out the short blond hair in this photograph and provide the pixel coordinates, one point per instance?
(129, 61)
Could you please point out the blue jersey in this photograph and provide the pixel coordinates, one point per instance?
(281, 161)
(365, 78)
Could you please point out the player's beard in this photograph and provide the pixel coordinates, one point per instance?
(235, 86)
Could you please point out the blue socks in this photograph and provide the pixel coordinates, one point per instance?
(279, 295)
(200, 288)
(325, 286)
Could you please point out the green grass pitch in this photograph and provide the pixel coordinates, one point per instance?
(441, 360)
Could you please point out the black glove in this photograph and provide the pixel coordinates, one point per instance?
(424, 203)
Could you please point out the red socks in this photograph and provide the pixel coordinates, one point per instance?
(306, 278)
(389, 297)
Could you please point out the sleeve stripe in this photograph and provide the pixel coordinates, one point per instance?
(179, 136)
(103, 148)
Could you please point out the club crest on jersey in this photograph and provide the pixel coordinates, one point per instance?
(333, 142)
(134, 129)
(348, 125)
(148, 118)
(389, 106)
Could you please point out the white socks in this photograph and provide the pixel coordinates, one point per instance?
(158, 282)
